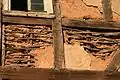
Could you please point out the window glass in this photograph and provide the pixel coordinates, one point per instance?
(20, 5)
(37, 5)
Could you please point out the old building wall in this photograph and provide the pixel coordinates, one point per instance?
(31, 46)
(116, 9)
(90, 9)
(80, 8)
(84, 49)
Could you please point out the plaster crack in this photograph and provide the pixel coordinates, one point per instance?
(92, 6)
(116, 13)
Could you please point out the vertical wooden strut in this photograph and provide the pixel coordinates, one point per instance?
(0, 30)
(107, 10)
(59, 57)
(114, 65)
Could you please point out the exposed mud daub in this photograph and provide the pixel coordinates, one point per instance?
(100, 44)
(20, 41)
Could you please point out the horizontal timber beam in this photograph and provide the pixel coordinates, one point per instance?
(73, 23)
(84, 24)
(26, 20)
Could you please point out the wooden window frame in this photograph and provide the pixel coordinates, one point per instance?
(48, 9)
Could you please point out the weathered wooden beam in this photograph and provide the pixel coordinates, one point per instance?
(14, 73)
(59, 56)
(28, 14)
(73, 23)
(114, 64)
(107, 10)
(26, 20)
(84, 24)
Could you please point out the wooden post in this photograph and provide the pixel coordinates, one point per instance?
(107, 10)
(59, 57)
(0, 30)
(114, 65)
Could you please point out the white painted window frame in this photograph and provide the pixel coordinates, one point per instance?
(48, 7)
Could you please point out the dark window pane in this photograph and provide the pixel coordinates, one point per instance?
(36, 1)
(37, 8)
(37, 5)
(20, 5)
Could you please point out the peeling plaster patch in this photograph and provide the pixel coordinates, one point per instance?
(76, 57)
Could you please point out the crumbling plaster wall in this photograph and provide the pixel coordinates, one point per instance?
(79, 9)
(91, 9)
(31, 46)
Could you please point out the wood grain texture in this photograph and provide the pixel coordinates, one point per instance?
(0, 28)
(107, 10)
(49, 74)
(59, 56)
(73, 23)
(114, 64)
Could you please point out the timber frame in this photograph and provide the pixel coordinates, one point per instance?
(49, 20)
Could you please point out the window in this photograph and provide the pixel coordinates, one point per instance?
(22, 6)
(37, 5)
(28, 5)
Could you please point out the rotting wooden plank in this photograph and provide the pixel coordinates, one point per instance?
(59, 56)
(73, 23)
(107, 10)
(114, 64)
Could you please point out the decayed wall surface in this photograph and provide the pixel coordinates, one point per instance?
(84, 49)
(90, 9)
(31, 46)
(81, 8)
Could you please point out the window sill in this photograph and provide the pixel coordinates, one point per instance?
(28, 14)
